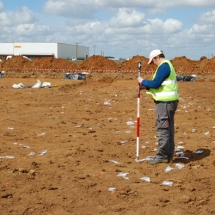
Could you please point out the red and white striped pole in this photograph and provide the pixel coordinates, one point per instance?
(138, 114)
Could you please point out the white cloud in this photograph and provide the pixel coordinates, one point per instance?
(127, 18)
(160, 27)
(208, 17)
(202, 33)
(20, 16)
(31, 30)
(88, 8)
(1, 7)
(121, 28)
(90, 28)
(155, 11)
(147, 3)
(25, 32)
(24, 29)
(200, 29)
(124, 23)
(172, 26)
(69, 8)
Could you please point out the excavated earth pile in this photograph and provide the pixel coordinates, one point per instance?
(102, 64)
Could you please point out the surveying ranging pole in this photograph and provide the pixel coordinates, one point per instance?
(138, 113)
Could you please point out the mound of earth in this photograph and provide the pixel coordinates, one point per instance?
(54, 64)
(98, 63)
(131, 64)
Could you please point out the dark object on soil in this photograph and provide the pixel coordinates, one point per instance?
(1, 74)
(186, 78)
(75, 76)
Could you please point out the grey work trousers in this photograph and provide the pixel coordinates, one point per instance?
(165, 128)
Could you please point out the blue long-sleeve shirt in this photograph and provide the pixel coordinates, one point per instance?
(162, 73)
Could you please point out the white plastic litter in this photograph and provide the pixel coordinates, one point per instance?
(130, 123)
(9, 128)
(31, 154)
(199, 151)
(145, 178)
(179, 152)
(41, 134)
(17, 86)
(182, 155)
(9, 157)
(169, 169)
(139, 160)
(193, 130)
(206, 133)
(179, 148)
(37, 85)
(112, 189)
(46, 84)
(180, 143)
(107, 103)
(26, 58)
(123, 142)
(43, 152)
(123, 175)
(27, 147)
(168, 183)
(115, 162)
(179, 166)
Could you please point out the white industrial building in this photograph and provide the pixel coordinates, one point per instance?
(32, 50)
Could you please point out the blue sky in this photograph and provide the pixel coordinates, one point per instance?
(114, 27)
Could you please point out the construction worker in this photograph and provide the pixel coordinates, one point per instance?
(164, 90)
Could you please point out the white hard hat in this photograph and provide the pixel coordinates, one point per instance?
(153, 54)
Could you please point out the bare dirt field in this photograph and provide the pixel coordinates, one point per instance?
(85, 126)
(64, 149)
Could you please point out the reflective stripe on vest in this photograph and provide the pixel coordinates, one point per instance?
(169, 82)
(166, 93)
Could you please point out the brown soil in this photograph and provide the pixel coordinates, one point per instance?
(83, 125)
(102, 64)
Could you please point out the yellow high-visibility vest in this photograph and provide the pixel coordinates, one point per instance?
(168, 91)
